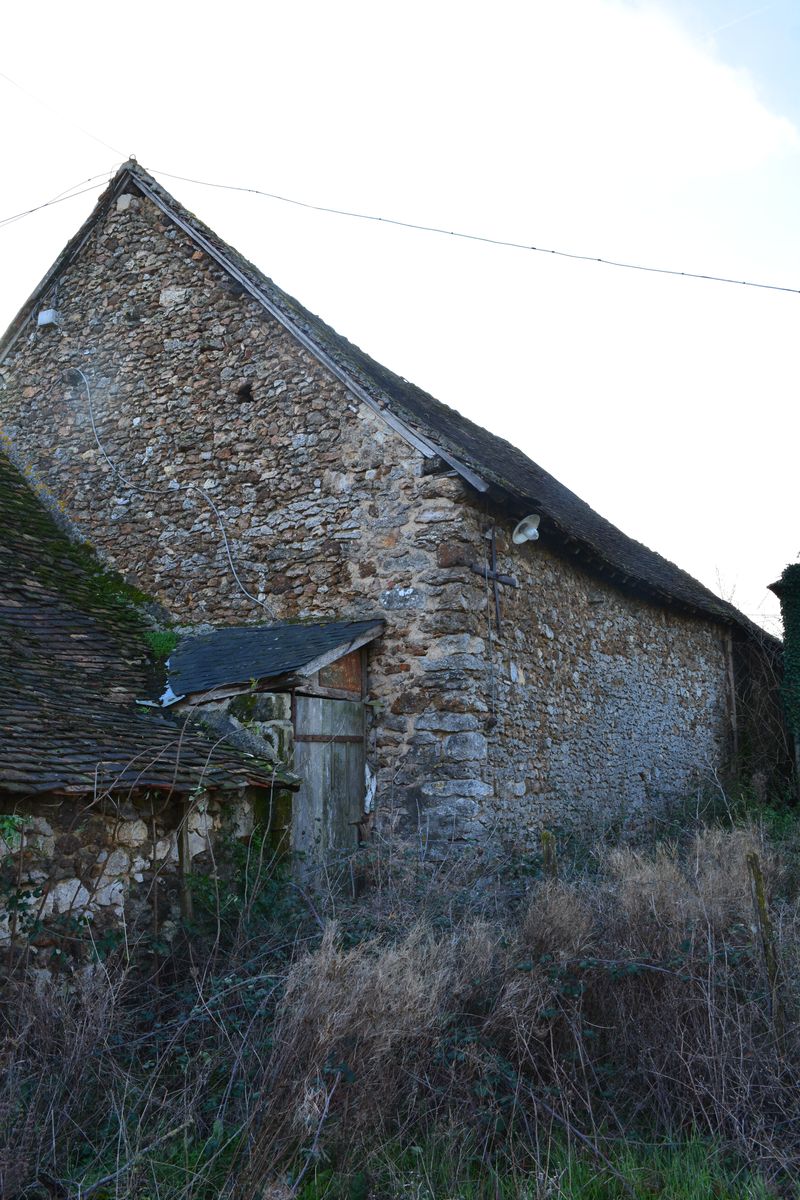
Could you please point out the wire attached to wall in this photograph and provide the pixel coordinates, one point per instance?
(185, 487)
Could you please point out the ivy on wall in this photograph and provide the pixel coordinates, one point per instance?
(788, 591)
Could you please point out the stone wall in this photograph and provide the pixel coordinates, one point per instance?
(73, 875)
(622, 705)
(588, 704)
(588, 708)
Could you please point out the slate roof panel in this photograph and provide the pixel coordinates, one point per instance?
(94, 750)
(238, 654)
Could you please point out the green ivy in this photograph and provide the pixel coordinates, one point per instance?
(789, 592)
(11, 827)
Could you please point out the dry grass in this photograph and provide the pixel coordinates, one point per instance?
(628, 997)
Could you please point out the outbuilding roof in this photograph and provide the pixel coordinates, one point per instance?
(73, 663)
(241, 654)
(487, 463)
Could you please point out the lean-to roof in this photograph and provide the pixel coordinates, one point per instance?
(240, 654)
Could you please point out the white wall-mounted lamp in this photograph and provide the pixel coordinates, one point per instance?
(526, 530)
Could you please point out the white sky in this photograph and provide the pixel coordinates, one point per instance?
(666, 133)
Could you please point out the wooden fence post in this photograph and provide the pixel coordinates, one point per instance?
(767, 937)
(549, 859)
(185, 864)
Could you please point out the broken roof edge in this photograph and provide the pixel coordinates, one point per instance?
(196, 680)
(396, 402)
(262, 777)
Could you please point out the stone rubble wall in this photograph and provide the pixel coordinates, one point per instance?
(581, 708)
(75, 875)
(327, 509)
(610, 710)
(589, 708)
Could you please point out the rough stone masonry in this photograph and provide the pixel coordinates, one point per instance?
(588, 705)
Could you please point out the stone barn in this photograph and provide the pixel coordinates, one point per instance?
(252, 470)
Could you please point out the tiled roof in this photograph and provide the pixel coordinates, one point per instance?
(237, 655)
(512, 478)
(48, 746)
(73, 663)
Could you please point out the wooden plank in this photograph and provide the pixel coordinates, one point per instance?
(345, 673)
(322, 660)
(329, 738)
(318, 714)
(329, 758)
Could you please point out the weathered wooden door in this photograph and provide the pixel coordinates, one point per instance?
(329, 758)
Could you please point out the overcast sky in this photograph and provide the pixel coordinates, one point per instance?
(663, 133)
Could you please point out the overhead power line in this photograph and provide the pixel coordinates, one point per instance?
(67, 194)
(59, 115)
(476, 237)
(471, 237)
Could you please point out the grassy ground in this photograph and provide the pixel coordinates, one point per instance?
(681, 1171)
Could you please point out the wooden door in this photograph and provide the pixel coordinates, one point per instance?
(329, 759)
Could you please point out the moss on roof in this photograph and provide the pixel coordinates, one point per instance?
(74, 659)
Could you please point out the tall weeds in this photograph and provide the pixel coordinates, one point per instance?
(626, 1002)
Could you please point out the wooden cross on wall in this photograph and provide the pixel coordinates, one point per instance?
(491, 572)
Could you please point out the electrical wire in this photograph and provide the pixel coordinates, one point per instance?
(100, 175)
(59, 199)
(185, 487)
(59, 116)
(490, 241)
(471, 237)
